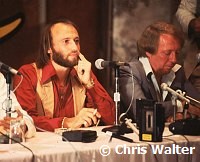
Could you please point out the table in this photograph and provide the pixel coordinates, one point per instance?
(49, 147)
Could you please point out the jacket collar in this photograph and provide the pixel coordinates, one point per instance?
(48, 71)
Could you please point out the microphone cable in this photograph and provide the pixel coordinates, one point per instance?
(33, 155)
(122, 116)
(173, 142)
(187, 143)
(18, 83)
(43, 130)
(132, 96)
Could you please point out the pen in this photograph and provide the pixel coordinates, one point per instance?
(98, 122)
(94, 113)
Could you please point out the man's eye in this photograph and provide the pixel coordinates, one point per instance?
(167, 53)
(76, 41)
(66, 41)
(177, 52)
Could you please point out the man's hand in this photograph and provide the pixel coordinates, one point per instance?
(194, 110)
(86, 117)
(179, 116)
(5, 122)
(84, 70)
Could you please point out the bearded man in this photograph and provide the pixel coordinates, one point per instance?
(59, 89)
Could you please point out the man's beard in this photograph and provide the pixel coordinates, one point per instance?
(58, 58)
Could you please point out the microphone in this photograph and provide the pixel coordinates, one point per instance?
(9, 69)
(129, 123)
(101, 64)
(165, 87)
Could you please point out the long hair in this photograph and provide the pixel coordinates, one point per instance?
(46, 42)
(149, 39)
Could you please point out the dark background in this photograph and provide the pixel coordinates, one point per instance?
(93, 17)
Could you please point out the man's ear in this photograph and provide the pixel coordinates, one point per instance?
(49, 51)
(148, 54)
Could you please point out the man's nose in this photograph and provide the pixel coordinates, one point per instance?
(173, 57)
(74, 46)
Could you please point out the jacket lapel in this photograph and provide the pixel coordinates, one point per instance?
(79, 96)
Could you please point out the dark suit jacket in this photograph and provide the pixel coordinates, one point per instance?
(140, 86)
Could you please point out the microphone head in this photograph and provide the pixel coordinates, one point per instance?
(98, 64)
(164, 86)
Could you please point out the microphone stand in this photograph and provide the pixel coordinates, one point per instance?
(185, 109)
(117, 96)
(115, 129)
(8, 99)
(118, 128)
(174, 98)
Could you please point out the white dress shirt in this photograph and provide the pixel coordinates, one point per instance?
(15, 105)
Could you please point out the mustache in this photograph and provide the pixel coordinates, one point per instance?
(75, 54)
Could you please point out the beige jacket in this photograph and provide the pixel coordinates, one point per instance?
(45, 95)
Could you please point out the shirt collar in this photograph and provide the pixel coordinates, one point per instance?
(146, 65)
(49, 71)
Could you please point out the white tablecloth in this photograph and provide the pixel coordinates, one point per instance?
(49, 147)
